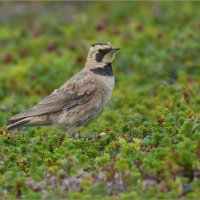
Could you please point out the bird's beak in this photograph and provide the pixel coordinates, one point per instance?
(115, 49)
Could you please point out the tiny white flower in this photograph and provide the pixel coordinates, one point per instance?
(102, 134)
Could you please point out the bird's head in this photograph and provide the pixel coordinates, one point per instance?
(101, 52)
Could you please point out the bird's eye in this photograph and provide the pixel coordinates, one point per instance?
(100, 50)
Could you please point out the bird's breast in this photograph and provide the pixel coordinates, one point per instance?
(108, 82)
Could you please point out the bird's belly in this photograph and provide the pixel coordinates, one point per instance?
(82, 114)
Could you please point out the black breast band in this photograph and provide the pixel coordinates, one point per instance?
(103, 71)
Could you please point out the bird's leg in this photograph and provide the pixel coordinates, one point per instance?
(74, 132)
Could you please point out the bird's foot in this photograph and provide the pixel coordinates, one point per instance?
(77, 135)
(74, 133)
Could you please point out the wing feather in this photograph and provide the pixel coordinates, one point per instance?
(79, 89)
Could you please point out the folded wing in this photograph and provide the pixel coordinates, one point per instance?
(70, 94)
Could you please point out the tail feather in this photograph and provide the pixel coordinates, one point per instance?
(17, 123)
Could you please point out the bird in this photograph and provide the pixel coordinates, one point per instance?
(80, 99)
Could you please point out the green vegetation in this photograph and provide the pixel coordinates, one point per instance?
(152, 144)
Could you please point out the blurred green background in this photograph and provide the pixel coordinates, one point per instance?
(152, 144)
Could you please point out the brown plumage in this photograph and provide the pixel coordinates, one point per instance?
(78, 100)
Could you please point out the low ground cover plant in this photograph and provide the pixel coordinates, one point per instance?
(151, 145)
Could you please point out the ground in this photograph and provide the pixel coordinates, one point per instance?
(151, 148)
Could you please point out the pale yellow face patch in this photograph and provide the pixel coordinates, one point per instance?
(108, 58)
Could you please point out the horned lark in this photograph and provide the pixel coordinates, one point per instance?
(80, 99)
